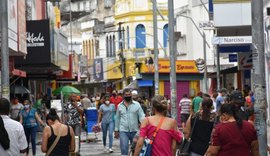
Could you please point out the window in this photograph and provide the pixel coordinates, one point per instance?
(114, 48)
(107, 47)
(111, 46)
(128, 40)
(140, 36)
(165, 36)
(123, 37)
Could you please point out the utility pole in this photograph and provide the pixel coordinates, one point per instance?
(260, 105)
(4, 50)
(121, 55)
(205, 68)
(155, 46)
(218, 68)
(172, 49)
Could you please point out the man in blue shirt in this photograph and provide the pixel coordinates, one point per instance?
(127, 118)
(221, 98)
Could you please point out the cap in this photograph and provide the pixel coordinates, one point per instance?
(237, 96)
(134, 92)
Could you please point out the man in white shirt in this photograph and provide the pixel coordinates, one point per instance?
(18, 143)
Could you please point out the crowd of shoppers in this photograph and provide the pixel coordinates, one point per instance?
(129, 116)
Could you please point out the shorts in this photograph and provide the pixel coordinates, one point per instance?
(184, 117)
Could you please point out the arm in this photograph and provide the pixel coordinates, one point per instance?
(140, 141)
(45, 137)
(187, 128)
(22, 140)
(72, 141)
(99, 115)
(39, 119)
(141, 114)
(117, 120)
(78, 107)
(255, 148)
(21, 119)
(212, 150)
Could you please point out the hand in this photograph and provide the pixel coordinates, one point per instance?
(99, 125)
(116, 134)
(74, 103)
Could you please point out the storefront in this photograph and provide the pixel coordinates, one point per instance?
(187, 75)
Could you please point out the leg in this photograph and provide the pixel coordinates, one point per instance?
(104, 127)
(124, 142)
(111, 129)
(77, 131)
(27, 135)
(131, 136)
(33, 139)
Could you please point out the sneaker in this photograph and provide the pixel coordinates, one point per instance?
(105, 149)
(110, 150)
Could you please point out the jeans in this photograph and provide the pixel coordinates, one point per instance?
(33, 133)
(105, 127)
(125, 138)
(77, 131)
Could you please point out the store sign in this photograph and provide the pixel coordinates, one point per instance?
(12, 25)
(232, 57)
(182, 66)
(98, 69)
(245, 61)
(232, 40)
(35, 40)
(22, 47)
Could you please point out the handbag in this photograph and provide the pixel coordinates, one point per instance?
(185, 145)
(55, 141)
(148, 143)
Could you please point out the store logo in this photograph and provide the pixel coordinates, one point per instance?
(35, 41)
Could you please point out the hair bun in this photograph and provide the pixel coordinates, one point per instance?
(53, 111)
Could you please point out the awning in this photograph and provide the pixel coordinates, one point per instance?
(17, 72)
(145, 83)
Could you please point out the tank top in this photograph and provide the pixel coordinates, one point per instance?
(62, 147)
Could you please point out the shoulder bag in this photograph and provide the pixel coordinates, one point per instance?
(148, 143)
(55, 141)
(185, 145)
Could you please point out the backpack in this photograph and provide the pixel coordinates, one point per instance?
(4, 139)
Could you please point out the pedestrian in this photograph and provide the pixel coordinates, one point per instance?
(185, 106)
(12, 133)
(15, 110)
(115, 98)
(135, 95)
(106, 121)
(29, 118)
(72, 112)
(128, 115)
(55, 129)
(196, 102)
(86, 103)
(143, 105)
(221, 98)
(250, 104)
(233, 136)
(204, 122)
(168, 134)
(214, 98)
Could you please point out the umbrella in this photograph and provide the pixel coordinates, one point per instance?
(16, 89)
(66, 90)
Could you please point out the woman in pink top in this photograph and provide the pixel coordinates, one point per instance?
(165, 141)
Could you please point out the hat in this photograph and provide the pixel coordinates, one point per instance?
(134, 92)
(237, 96)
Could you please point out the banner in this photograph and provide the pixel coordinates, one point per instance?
(98, 69)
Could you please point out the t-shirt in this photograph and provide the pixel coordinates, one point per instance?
(15, 111)
(185, 104)
(219, 102)
(29, 118)
(233, 140)
(196, 103)
(116, 100)
(108, 112)
(16, 136)
(72, 113)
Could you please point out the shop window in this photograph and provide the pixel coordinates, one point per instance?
(165, 36)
